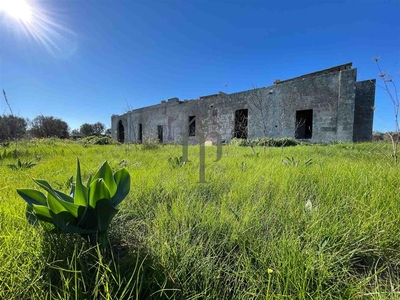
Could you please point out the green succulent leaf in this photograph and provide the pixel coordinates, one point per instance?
(62, 220)
(43, 184)
(56, 194)
(81, 192)
(123, 181)
(98, 190)
(89, 181)
(32, 196)
(30, 215)
(57, 206)
(106, 174)
(42, 213)
(105, 212)
(88, 210)
(87, 218)
(64, 197)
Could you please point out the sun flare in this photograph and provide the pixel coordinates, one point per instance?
(18, 9)
(45, 27)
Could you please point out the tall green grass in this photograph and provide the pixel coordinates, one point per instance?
(258, 229)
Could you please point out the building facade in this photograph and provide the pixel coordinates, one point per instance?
(324, 106)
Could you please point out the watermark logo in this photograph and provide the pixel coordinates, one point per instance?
(201, 137)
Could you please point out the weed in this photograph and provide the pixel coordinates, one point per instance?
(290, 161)
(21, 165)
(177, 161)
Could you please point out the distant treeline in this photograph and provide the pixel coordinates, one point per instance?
(13, 127)
(384, 136)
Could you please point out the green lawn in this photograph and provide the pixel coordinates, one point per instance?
(258, 229)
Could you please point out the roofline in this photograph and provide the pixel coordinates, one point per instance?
(338, 68)
(176, 101)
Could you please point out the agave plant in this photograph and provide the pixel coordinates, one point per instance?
(177, 161)
(21, 165)
(88, 210)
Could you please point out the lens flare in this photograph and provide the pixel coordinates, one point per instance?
(46, 28)
(18, 9)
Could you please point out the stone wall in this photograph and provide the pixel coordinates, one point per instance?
(364, 110)
(321, 107)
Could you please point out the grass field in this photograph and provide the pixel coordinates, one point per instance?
(258, 229)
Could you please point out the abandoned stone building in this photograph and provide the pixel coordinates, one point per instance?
(323, 106)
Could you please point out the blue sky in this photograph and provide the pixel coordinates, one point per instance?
(83, 61)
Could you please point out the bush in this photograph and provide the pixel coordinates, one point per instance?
(239, 142)
(98, 140)
(43, 127)
(87, 129)
(265, 142)
(150, 144)
(380, 136)
(11, 127)
(271, 142)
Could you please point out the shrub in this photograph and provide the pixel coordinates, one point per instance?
(150, 144)
(239, 142)
(43, 127)
(265, 142)
(98, 140)
(11, 127)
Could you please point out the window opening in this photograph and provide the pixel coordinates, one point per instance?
(192, 125)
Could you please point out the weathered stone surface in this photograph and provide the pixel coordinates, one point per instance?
(341, 111)
(364, 110)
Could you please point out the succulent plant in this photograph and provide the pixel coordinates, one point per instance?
(88, 210)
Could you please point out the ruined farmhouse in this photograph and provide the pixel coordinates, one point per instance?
(323, 106)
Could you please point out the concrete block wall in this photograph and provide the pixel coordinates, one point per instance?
(364, 110)
(339, 111)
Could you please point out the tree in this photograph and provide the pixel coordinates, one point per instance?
(92, 129)
(43, 127)
(86, 129)
(12, 127)
(98, 128)
(75, 133)
(108, 132)
(260, 108)
(391, 89)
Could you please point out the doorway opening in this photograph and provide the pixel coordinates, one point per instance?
(160, 133)
(120, 132)
(304, 121)
(241, 124)
(140, 134)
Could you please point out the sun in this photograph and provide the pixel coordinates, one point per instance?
(18, 9)
(35, 21)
